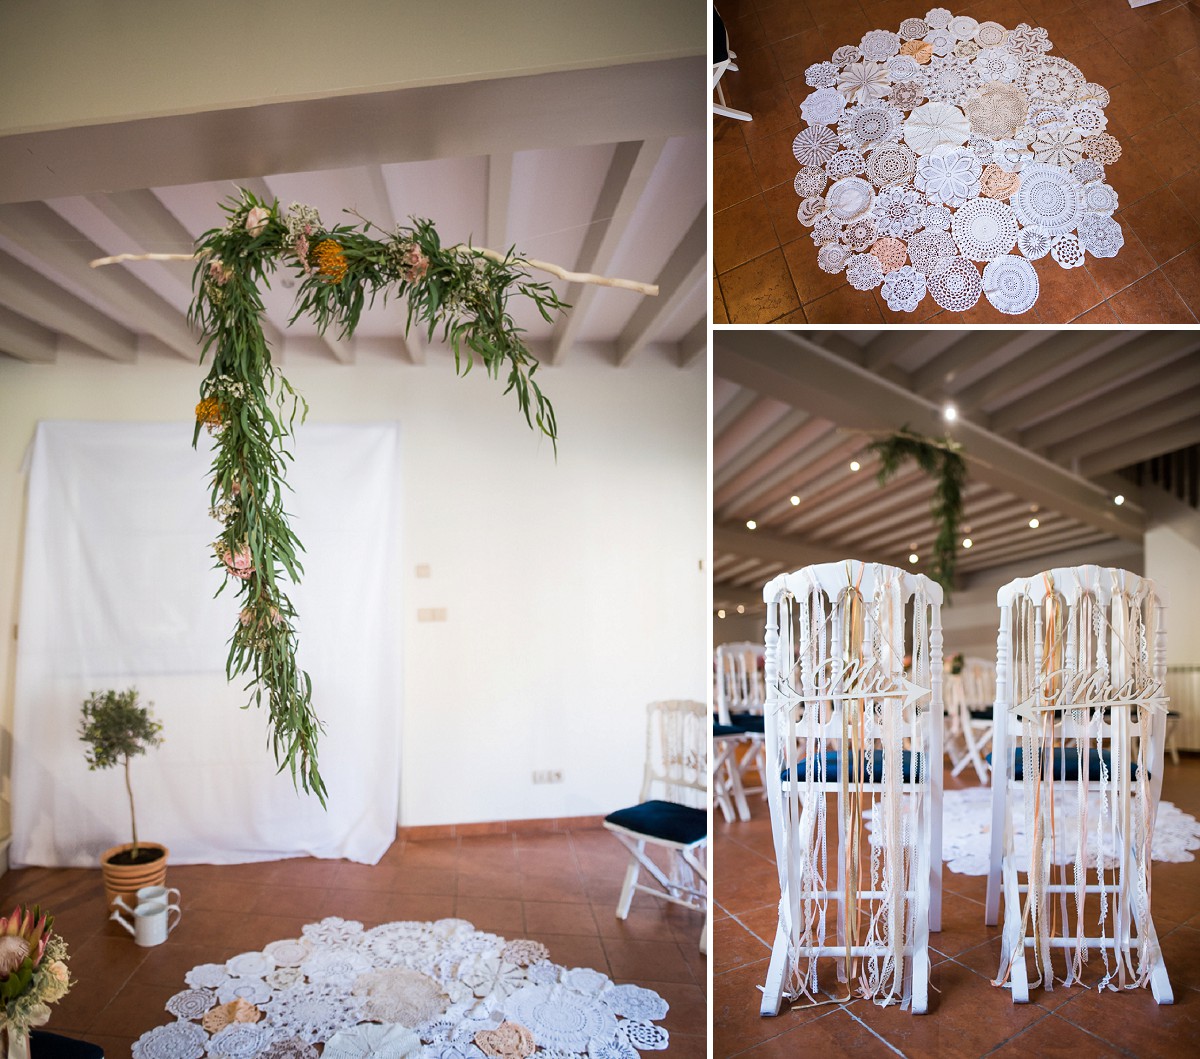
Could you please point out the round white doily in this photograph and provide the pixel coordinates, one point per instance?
(1033, 242)
(849, 198)
(864, 272)
(891, 163)
(930, 249)
(823, 107)
(377, 1042)
(903, 289)
(949, 175)
(176, 1040)
(1067, 250)
(241, 1040)
(1011, 284)
(897, 211)
(955, 285)
(559, 1017)
(864, 127)
(934, 125)
(984, 229)
(1049, 198)
(1100, 235)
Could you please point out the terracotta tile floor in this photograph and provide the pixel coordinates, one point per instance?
(1149, 60)
(560, 889)
(968, 1016)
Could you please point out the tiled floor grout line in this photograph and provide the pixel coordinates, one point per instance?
(876, 1033)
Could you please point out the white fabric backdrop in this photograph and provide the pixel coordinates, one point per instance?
(117, 590)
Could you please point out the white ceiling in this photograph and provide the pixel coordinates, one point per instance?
(1047, 418)
(597, 168)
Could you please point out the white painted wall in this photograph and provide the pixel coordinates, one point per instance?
(574, 589)
(1173, 562)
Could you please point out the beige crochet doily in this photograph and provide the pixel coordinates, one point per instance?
(509, 1040)
(238, 1010)
(400, 995)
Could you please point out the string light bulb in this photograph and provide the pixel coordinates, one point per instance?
(1119, 499)
(751, 524)
(967, 542)
(741, 609)
(795, 501)
(721, 613)
(914, 557)
(949, 412)
(855, 465)
(1034, 523)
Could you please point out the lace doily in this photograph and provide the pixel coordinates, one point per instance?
(823, 107)
(929, 249)
(967, 825)
(891, 252)
(949, 175)
(252, 990)
(897, 211)
(869, 125)
(1011, 284)
(191, 1003)
(810, 181)
(891, 163)
(955, 285)
(997, 184)
(176, 1040)
(473, 993)
(934, 125)
(903, 289)
(952, 123)
(377, 1042)
(1100, 235)
(863, 82)
(241, 1040)
(1049, 198)
(1033, 242)
(984, 229)
(864, 272)
(560, 1017)
(507, 1041)
(614, 1046)
(849, 198)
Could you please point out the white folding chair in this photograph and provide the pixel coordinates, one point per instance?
(973, 701)
(844, 719)
(676, 822)
(728, 795)
(1078, 750)
(739, 697)
(723, 59)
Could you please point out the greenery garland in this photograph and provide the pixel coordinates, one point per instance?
(941, 459)
(251, 409)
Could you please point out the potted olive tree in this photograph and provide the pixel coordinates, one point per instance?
(116, 728)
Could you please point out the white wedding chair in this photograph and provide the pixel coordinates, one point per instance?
(723, 59)
(1078, 752)
(676, 821)
(739, 696)
(976, 694)
(844, 718)
(728, 795)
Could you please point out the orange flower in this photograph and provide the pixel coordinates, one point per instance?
(331, 262)
(209, 411)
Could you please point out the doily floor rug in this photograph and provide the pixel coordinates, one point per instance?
(440, 989)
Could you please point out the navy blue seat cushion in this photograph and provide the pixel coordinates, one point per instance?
(831, 767)
(1069, 769)
(981, 713)
(720, 40)
(749, 722)
(54, 1046)
(665, 820)
(726, 729)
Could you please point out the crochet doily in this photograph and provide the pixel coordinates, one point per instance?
(984, 229)
(967, 825)
(1011, 284)
(964, 141)
(438, 988)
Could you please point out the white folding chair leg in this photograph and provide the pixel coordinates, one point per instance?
(727, 781)
(630, 885)
(773, 990)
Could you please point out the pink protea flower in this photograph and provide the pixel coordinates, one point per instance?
(239, 563)
(23, 934)
(417, 262)
(218, 273)
(256, 220)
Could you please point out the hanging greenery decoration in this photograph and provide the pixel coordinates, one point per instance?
(941, 459)
(456, 293)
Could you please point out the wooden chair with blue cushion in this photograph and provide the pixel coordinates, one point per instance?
(1078, 757)
(851, 733)
(671, 816)
(738, 695)
(723, 59)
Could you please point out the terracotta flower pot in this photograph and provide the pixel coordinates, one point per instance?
(124, 880)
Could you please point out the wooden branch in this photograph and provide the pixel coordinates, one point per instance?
(649, 289)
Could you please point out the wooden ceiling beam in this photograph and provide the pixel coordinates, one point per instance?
(694, 344)
(1178, 407)
(784, 365)
(23, 339)
(629, 172)
(1155, 443)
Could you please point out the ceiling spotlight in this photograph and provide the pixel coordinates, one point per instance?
(795, 501)
(751, 524)
(949, 412)
(1118, 500)
(741, 609)
(721, 613)
(1034, 523)
(855, 465)
(967, 542)
(914, 557)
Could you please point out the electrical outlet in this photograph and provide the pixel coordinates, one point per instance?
(423, 570)
(431, 614)
(547, 776)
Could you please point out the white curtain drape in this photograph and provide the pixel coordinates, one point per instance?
(117, 590)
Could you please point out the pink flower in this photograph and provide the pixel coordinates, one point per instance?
(239, 563)
(256, 220)
(218, 273)
(418, 264)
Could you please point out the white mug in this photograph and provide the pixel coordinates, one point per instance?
(151, 922)
(149, 895)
